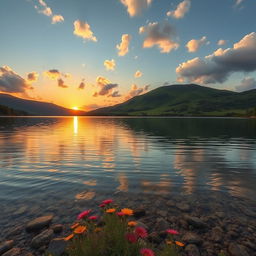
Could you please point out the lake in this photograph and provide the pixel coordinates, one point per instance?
(62, 165)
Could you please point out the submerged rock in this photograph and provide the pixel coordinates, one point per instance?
(39, 223)
(57, 247)
(192, 249)
(196, 222)
(13, 252)
(237, 250)
(42, 239)
(192, 238)
(5, 246)
(183, 207)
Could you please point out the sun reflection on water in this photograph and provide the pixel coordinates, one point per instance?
(75, 121)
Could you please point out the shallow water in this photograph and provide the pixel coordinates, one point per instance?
(47, 163)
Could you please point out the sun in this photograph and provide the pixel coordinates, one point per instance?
(75, 108)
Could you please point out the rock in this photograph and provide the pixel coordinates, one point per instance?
(250, 245)
(192, 238)
(138, 213)
(21, 210)
(39, 223)
(161, 224)
(248, 212)
(192, 249)
(57, 247)
(154, 238)
(237, 250)
(220, 214)
(183, 207)
(5, 246)
(42, 239)
(196, 222)
(57, 228)
(162, 213)
(13, 252)
(170, 203)
(217, 234)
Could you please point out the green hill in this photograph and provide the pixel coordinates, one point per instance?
(185, 100)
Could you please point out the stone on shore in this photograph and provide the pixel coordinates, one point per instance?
(237, 250)
(192, 249)
(196, 222)
(57, 247)
(42, 239)
(5, 246)
(39, 223)
(192, 238)
(13, 252)
(138, 213)
(57, 228)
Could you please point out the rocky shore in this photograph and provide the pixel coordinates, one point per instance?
(208, 224)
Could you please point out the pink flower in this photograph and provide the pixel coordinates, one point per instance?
(120, 213)
(108, 201)
(141, 232)
(93, 217)
(172, 231)
(83, 214)
(131, 237)
(146, 252)
(102, 205)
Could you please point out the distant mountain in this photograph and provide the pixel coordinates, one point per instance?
(6, 111)
(185, 100)
(31, 107)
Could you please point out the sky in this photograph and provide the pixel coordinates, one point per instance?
(87, 54)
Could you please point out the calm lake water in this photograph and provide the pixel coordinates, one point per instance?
(47, 161)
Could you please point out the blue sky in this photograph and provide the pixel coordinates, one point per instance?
(31, 43)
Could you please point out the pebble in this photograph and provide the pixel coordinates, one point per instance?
(57, 246)
(5, 246)
(57, 228)
(42, 239)
(196, 222)
(39, 223)
(13, 252)
(192, 249)
(237, 250)
(192, 238)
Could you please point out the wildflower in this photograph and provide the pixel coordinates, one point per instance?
(102, 205)
(93, 217)
(80, 230)
(83, 214)
(146, 252)
(131, 237)
(108, 201)
(127, 211)
(74, 225)
(132, 223)
(141, 232)
(120, 214)
(111, 210)
(97, 230)
(172, 231)
(67, 238)
(179, 243)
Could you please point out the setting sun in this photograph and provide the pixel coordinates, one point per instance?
(75, 108)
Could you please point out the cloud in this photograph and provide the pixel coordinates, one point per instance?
(138, 74)
(115, 94)
(57, 18)
(44, 9)
(52, 74)
(83, 29)
(160, 35)
(238, 2)
(181, 10)
(123, 47)
(222, 42)
(247, 84)
(105, 87)
(193, 45)
(81, 85)
(217, 67)
(135, 7)
(110, 64)
(136, 91)
(11, 82)
(91, 107)
(61, 83)
(32, 77)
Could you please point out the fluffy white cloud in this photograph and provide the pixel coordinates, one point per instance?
(136, 91)
(247, 83)
(110, 64)
(161, 35)
(123, 47)
(61, 83)
(11, 82)
(105, 87)
(57, 18)
(32, 77)
(238, 2)
(222, 42)
(135, 7)
(83, 29)
(217, 67)
(181, 10)
(52, 74)
(138, 74)
(194, 44)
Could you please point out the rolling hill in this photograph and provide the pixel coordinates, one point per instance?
(31, 107)
(185, 100)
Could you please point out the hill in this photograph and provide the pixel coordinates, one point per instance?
(185, 100)
(32, 107)
(6, 111)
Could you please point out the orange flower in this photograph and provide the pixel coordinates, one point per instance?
(111, 210)
(179, 243)
(67, 238)
(80, 230)
(132, 223)
(75, 225)
(127, 211)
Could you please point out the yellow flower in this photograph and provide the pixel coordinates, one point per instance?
(67, 238)
(179, 243)
(75, 225)
(132, 223)
(127, 211)
(111, 210)
(80, 230)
